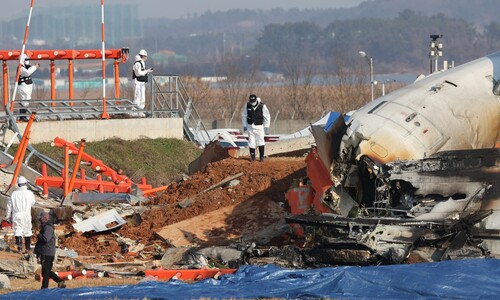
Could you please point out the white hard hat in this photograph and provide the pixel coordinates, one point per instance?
(143, 52)
(137, 57)
(21, 180)
(24, 57)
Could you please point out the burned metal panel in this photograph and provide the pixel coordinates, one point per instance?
(101, 222)
(328, 140)
(390, 240)
(451, 172)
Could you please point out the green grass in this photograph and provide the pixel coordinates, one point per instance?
(160, 161)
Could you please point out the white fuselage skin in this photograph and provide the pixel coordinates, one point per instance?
(450, 110)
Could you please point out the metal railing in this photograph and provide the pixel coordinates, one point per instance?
(169, 98)
(73, 108)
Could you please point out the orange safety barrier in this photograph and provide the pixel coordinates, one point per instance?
(95, 164)
(22, 143)
(19, 157)
(119, 183)
(70, 275)
(188, 275)
(90, 185)
(65, 54)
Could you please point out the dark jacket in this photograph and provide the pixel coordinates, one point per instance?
(46, 243)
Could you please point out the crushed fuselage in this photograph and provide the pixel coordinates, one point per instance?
(426, 157)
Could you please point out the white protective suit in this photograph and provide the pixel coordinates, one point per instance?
(139, 69)
(256, 132)
(19, 209)
(25, 90)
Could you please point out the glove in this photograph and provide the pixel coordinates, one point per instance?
(266, 130)
(245, 129)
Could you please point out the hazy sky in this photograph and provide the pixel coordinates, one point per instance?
(177, 8)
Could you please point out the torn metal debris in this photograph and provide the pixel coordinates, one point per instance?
(105, 221)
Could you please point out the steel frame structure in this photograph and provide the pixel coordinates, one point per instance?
(119, 55)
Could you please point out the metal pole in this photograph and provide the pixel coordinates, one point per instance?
(103, 54)
(22, 52)
(5, 83)
(53, 81)
(117, 79)
(70, 81)
(371, 76)
(436, 61)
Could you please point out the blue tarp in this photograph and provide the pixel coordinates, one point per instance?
(465, 279)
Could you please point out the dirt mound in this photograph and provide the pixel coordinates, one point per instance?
(267, 180)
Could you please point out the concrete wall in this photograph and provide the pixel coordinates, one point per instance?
(98, 130)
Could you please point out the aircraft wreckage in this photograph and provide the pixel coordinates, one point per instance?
(413, 172)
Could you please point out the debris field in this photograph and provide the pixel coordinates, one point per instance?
(262, 183)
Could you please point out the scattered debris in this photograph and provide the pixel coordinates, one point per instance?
(189, 201)
(106, 221)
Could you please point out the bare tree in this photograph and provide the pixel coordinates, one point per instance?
(298, 87)
(239, 80)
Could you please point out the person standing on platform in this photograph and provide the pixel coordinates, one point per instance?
(26, 85)
(140, 76)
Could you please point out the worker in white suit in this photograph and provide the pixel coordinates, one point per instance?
(19, 213)
(25, 84)
(256, 119)
(140, 76)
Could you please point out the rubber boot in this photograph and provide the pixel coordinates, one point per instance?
(27, 242)
(19, 243)
(252, 154)
(261, 153)
(23, 118)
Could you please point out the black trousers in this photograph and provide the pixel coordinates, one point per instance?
(47, 261)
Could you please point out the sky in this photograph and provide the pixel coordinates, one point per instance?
(177, 8)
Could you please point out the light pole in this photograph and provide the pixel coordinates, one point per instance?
(370, 62)
(383, 85)
(435, 51)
